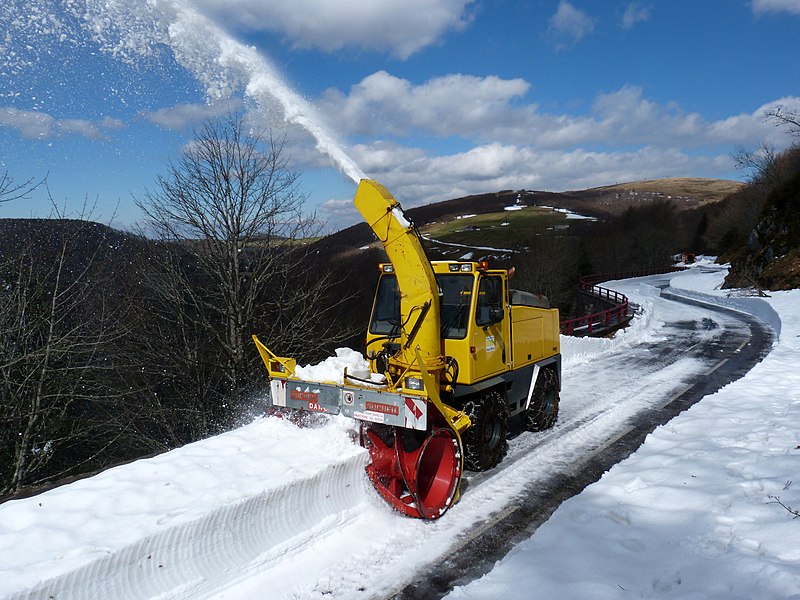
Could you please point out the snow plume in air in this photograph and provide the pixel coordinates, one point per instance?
(140, 33)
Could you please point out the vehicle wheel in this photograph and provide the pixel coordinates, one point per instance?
(543, 410)
(485, 440)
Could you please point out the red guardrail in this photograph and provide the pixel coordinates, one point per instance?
(612, 316)
(604, 319)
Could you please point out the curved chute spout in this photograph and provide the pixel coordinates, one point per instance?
(419, 293)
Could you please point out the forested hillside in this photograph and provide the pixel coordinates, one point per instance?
(768, 256)
(117, 345)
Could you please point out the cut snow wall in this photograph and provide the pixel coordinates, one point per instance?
(189, 559)
(755, 307)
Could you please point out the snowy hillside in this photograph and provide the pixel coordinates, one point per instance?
(275, 511)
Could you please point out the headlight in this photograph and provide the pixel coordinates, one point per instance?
(414, 383)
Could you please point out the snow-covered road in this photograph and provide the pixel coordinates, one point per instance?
(272, 511)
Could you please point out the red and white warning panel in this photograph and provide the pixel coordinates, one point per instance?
(375, 406)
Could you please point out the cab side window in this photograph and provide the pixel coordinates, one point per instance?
(490, 301)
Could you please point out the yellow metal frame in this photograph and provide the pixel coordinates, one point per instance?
(415, 278)
(273, 362)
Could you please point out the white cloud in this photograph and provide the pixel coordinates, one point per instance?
(29, 124)
(634, 13)
(38, 125)
(491, 167)
(338, 214)
(398, 28)
(569, 25)
(777, 6)
(491, 109)
(183, 116)
(381, 156)
(449, 105)
(509, 143)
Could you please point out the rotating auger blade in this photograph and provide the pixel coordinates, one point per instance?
(417, 473)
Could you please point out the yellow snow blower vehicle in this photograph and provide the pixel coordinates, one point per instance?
(458, 352)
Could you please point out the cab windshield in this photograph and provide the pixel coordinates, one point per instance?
(455, 294)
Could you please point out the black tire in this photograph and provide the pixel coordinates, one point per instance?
(542, 413)
(485, 440)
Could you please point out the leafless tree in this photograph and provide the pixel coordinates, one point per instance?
(54, 362)
(549, 267)
(761, 163)
(11, 190)
(781, 116)
(231, 216)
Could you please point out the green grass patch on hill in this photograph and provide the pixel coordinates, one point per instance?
(501, 229)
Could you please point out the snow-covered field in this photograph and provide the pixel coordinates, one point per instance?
(271, 510)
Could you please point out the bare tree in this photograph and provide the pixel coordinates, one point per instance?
(238, 263)
(549, 267)
(781, 116)
(54, 361)
(761, 163)
(11, 190)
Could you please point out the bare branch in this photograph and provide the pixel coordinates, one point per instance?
(789, 509)
(781, 116)
(11, 190)
(231, 214)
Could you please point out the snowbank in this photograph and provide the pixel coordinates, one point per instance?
(177, 523)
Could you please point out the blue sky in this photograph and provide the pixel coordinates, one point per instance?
(434, 98)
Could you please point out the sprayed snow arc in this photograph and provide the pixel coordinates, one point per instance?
(137, 32)
(271, 506)
(220, 62)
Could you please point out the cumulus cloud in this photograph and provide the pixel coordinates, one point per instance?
(338, 213)
(505, 141)
(184, 116)
(491, 109)
(39, 125)
(426, 178)
(634, 13)
(569, 25)
(776, 6)
(449, 105)
(398, 28)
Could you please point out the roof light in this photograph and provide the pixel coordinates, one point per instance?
(483, 265)
(466, 268)
(387, 268)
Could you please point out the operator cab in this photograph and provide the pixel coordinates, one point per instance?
(474, 318)
(456, 291)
